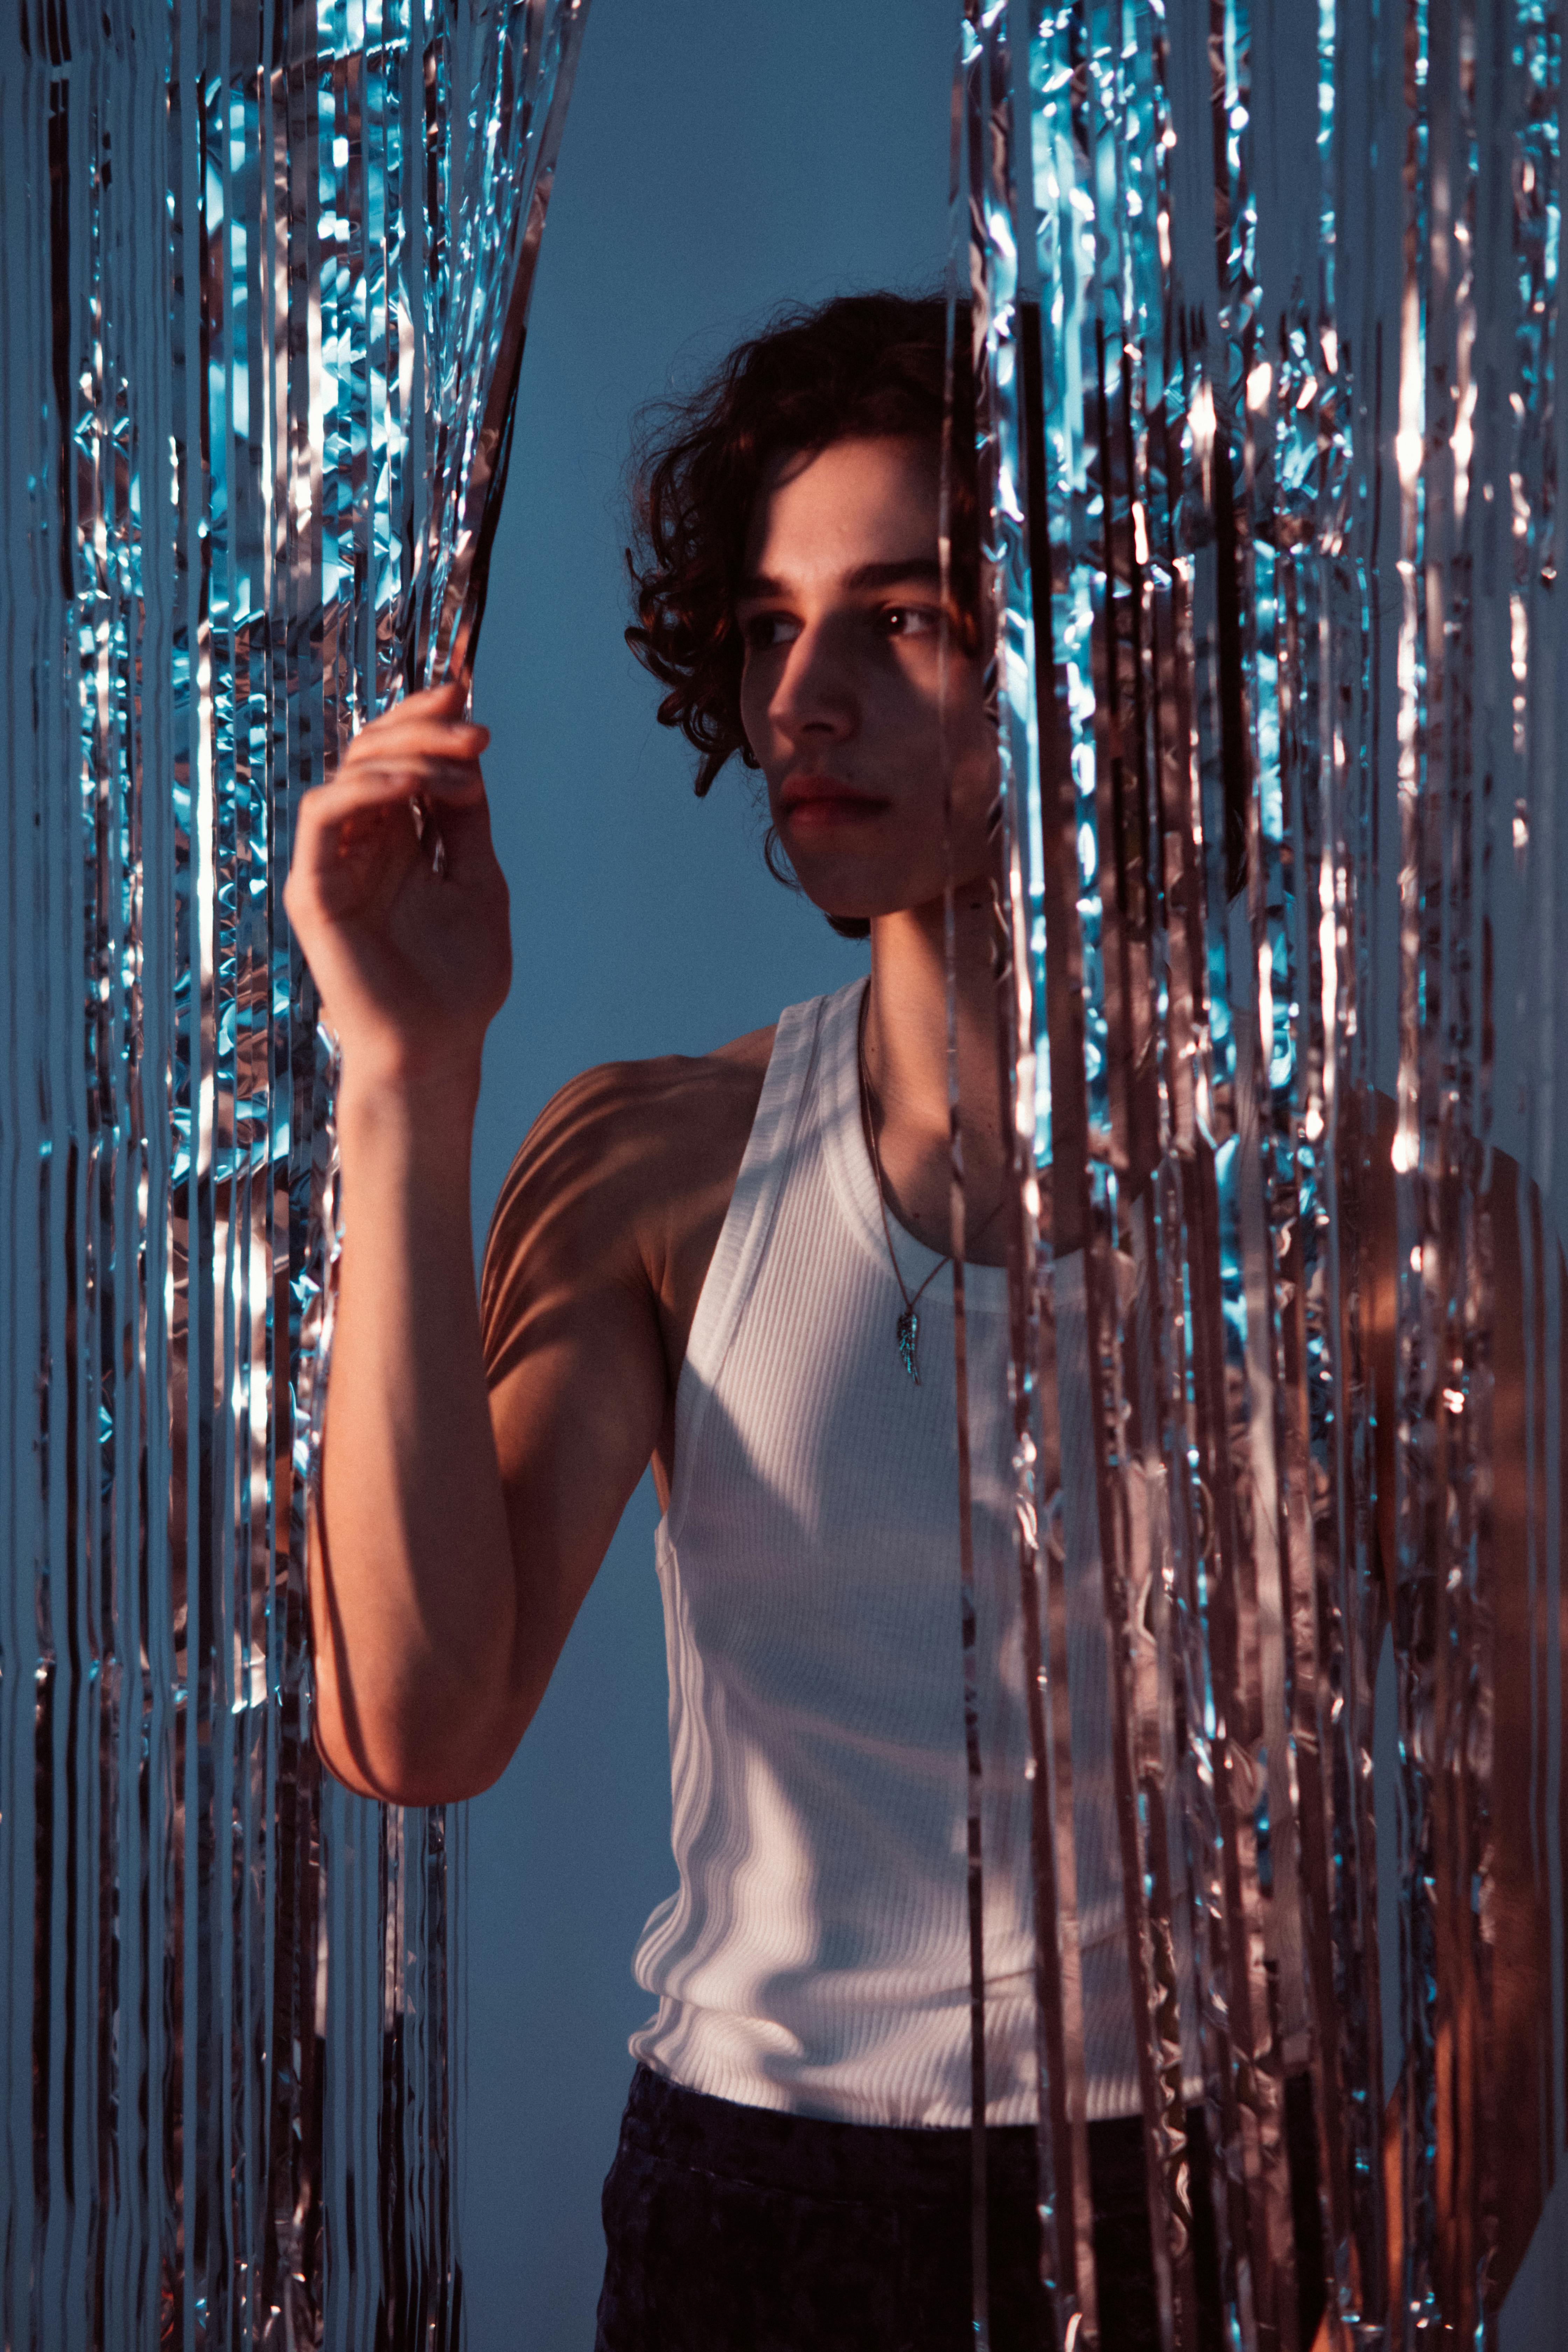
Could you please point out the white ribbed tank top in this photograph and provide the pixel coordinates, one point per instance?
(815, 1957)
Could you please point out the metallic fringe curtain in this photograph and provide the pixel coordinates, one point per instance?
(265, 272)
(1264, 308)
(1264, 302)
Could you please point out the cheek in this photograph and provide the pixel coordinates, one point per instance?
(974, 738)
(756, 698)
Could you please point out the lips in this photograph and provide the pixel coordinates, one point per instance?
(814, 801)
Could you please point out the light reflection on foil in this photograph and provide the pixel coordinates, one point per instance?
(1265, 303)
(236, 327)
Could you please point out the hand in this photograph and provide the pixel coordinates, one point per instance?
(411, 965)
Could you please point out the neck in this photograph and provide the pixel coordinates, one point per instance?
(907, 1061)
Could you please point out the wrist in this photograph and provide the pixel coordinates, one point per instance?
(431, 1110)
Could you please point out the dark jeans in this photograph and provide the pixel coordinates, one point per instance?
(734, 2229)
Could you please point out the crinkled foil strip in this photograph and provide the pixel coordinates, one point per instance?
(986, 157)
(238, 321)
(979, 2193)
(1265, 304)
(1478, 769)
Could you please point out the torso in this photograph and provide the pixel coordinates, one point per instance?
(816, 1955)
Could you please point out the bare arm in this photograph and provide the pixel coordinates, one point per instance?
(439, 1599)
(414, 1603)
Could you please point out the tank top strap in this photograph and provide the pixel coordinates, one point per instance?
(790, 1089)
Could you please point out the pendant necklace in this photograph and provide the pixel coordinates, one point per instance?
(908, 1322)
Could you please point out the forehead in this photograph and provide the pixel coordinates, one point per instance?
(832, 511)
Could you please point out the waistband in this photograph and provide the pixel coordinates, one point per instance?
(819, 2156)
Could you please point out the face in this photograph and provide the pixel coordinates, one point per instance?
(840, 613)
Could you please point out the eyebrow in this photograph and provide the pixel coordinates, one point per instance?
(865, 575)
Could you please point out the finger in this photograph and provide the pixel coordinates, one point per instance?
(383, 792)
(465, 830)
(393, 777)
(375, 820)
(444, 704)
(450, 736)
(449, 696)
(353, 824)
(441, 710)
(388, 782)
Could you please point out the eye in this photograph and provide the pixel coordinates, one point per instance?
(761, 632)
(910, 620)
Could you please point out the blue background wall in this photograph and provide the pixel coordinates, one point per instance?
(721, 157)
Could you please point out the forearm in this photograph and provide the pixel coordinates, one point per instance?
(413, 1590)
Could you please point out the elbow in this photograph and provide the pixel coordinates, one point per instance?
(414, 1766)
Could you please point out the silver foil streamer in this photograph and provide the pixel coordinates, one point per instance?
(960, 150)
(265, 274)
(1265, 303)
(986, 153)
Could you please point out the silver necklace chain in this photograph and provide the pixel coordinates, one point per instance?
(908, 1322)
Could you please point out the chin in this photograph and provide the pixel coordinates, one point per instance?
(868, 898)
(835, 910)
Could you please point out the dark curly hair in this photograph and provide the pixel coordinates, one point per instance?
(862, 365)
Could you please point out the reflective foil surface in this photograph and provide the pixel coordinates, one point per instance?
(266, 268)
(1264, 308)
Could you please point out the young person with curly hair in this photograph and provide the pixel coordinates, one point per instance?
(736, 1265)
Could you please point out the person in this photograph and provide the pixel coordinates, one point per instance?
(737, 1267)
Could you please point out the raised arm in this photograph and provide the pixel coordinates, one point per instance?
(437, 1612)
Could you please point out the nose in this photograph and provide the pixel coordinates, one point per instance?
(817, 695)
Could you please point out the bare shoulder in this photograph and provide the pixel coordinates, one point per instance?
(674, 1121)
(625, 1176)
